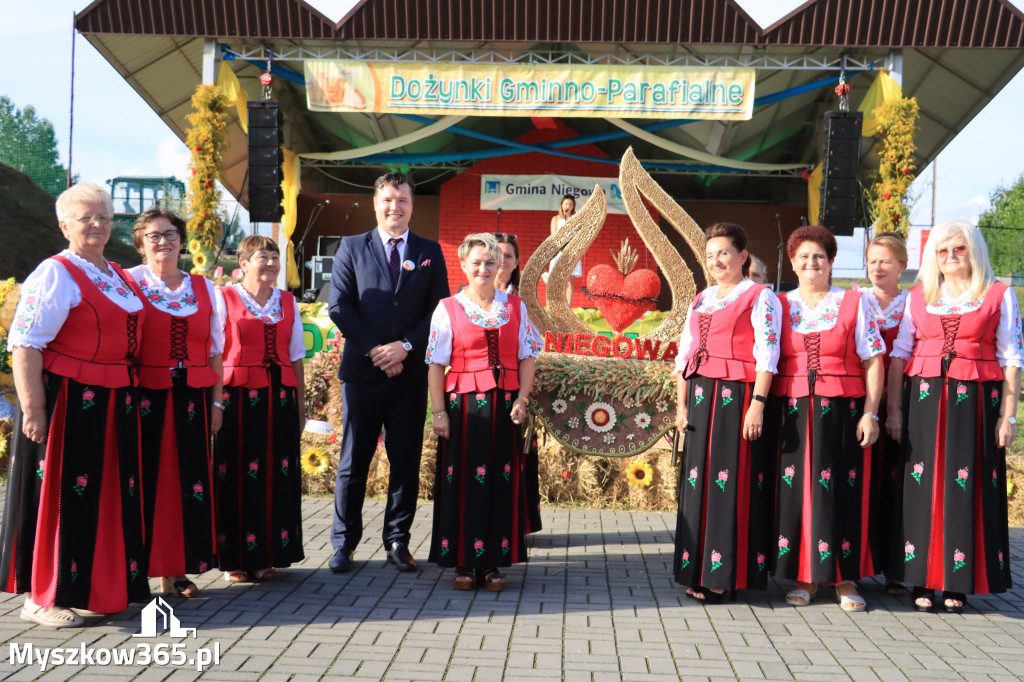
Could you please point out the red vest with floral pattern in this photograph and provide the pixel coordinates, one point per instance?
(173, 341)
(824, 363)
(968, 340)
(723, 341)
(252, 346)
(99, 341)
(478, 351)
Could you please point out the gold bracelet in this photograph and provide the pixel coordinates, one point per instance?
(526, 401)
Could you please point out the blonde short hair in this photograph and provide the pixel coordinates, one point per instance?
(255, 243)
(931, 277)
(484, 239)
(893, 241)
(82, 193)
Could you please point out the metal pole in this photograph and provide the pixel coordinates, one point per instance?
(935, 177)
(71, 104)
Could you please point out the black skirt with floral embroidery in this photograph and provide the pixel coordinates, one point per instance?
(257, 479)
(480, 517)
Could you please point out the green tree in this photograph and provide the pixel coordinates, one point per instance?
(1003, 228)
(29, 144)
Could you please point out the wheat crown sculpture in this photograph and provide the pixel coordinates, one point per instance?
(579, 232)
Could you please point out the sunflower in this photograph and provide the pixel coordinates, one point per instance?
(314, 461)
(639, 473)
(199, 260)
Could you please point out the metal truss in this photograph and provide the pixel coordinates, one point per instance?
(458, 166)
(757, 59)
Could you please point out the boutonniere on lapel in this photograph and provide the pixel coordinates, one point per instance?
(425, 264)
(408, 265)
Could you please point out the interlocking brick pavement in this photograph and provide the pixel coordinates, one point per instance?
(595, 602)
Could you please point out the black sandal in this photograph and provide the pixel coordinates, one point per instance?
(954, 596)
(709, 596)
(490, 578)
(923, 593)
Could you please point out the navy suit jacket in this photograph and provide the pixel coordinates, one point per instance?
(370, 312)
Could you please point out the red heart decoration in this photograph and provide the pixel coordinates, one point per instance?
(608, 289)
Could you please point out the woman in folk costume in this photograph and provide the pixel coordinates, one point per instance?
(731, 348)
(507, 280)
(180, 376)
(886, 258)
(72, 525)
(827, 388)
(958, 360)
(485, 336)
(257, 486)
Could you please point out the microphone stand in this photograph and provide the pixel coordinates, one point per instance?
(301, 248)
(778, 271)
(497, 228)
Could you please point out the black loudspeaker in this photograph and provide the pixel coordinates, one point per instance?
(840, 187)
(265, 158)
(327, 246)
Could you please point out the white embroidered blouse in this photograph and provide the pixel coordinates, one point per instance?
(439, 344)
(270, 313)
(50, 292)
(764, 317)
(1009, 334)
(892, 314)
(180, 302)
(805, 320)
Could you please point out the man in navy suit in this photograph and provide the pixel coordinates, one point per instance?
(384, 287)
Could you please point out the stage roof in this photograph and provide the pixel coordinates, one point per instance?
(954, 56)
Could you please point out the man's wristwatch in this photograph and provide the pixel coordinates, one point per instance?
(406, 345)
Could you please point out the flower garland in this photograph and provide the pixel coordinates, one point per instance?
(888, 196)
(207, 141)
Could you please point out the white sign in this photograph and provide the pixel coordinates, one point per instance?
(544, 192)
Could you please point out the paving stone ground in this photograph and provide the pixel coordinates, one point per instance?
(596, 602)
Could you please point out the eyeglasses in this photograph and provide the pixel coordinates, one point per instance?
(155, 237)
(958, 251)
(89, 219)
(504, 237)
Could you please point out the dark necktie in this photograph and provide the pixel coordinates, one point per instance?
(393, 264)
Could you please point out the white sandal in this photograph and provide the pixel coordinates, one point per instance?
(850, 602)
(51, 616)
(800, 596)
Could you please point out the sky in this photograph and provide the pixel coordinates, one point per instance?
(116, 133)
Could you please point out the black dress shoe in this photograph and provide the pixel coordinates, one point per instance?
(341, 561)
(398, 554)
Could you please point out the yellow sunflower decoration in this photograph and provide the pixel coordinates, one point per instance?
(639, 474)
(314, 461)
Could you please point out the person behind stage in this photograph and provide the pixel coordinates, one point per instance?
(485, 336)
(731, 349)
(179, 407)
(827, 389)
(886, 258)
(384, 286)
(507, 280)
(758, 272)
(566, 210)
(257, 480)
(72, 534)
(958, 360)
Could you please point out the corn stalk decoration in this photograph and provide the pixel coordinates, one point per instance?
(889, 206)
(206, 142)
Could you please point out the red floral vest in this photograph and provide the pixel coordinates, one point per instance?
(171, 340)
(251, 346)
(99, 341)
(827, 359)
(476, 351)
(968, 340)
(723, 341)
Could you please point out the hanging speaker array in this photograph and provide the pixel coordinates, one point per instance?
(265, 158)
